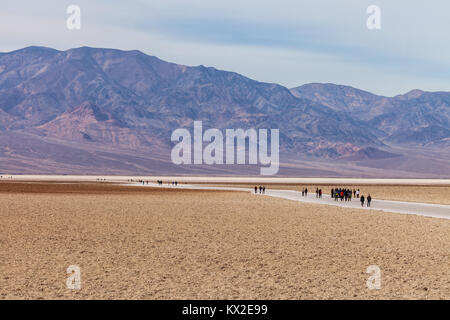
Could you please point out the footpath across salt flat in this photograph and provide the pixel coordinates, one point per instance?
(422, 209)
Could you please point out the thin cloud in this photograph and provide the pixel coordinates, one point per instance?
(288, 42)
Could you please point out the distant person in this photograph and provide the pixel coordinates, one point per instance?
(317, 192)
(357, 193)
(264, 189)
(306, 192)
(320, 193)
(260, 189)
(303, 192)
(332, 193)
(362, 200)
(369, 199)
(256, 189)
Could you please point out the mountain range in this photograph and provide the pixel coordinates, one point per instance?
(106, 111)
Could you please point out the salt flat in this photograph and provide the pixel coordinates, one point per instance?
(209, 179)
(422, 209)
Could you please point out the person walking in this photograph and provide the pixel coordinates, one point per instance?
(369, 199)
(357, 193)
(303, 192)
(320, 193)
(362, 200)
(264, 189)
(306, 192)
(256, 189)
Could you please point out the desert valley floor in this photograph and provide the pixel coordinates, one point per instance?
(166, 243)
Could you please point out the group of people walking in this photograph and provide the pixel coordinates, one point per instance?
(262, 189)
(346, 194)
(159, 182)
(369, 200)
(173, 183)
(342, 194)
(318, 192)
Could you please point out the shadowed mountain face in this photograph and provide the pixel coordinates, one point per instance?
(417, 118)
(119, 108)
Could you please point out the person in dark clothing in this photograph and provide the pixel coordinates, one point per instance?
(260, 189)
(332, 193)
(362, 200)
(369, 199)
(317, 192)
(320, 193)
(303, 192)
(264, 189)
(306, 192)
(256, 189)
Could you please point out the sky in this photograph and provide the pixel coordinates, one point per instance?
(290, 42)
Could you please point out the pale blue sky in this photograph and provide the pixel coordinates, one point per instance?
(290, 42)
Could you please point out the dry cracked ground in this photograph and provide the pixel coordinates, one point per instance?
(145, 243)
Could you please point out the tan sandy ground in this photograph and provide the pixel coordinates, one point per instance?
(149, 243)
(424, 194)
